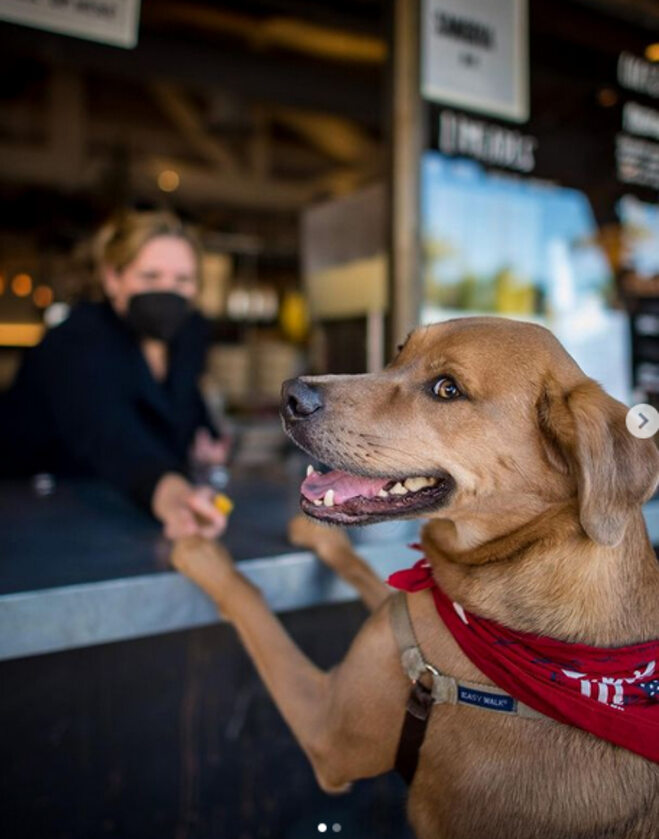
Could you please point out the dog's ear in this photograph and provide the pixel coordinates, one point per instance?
(584, 433)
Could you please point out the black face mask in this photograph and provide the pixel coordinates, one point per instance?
(157, 314)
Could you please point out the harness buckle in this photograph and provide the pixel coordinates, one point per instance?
(444, 688)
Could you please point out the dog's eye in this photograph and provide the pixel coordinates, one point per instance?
(446, 388)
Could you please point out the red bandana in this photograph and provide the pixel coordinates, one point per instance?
(611, 692)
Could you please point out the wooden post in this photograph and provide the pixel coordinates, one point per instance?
(405, 276)
(375, 353)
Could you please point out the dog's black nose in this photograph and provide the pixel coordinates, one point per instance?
(299, 400)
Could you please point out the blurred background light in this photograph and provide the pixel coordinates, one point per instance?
(607, 97)
(21, 285)
(43, 296)
(652, 52)
(169, 180)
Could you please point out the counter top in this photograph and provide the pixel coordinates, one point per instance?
(83, 566)
(86, 532)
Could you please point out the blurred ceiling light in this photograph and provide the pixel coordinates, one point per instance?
(21, 285)
(607, 97)
(652, 52)
(169, 180)
(43, 296)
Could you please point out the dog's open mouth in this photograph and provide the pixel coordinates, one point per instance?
(342, 498)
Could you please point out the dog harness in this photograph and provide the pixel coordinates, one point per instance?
(442, 689)
(611, 692)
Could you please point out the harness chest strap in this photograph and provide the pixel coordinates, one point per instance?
(443, 689)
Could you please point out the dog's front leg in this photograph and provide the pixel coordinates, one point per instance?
(345, 720)
(333, 547)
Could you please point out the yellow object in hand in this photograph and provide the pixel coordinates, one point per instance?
(223, 503)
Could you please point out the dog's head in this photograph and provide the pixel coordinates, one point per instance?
(473, 414)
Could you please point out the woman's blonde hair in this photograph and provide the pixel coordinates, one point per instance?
(120, 240)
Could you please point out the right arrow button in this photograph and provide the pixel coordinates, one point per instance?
(642, 421)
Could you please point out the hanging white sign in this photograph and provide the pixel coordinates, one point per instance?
(108, 21)
(474, 55)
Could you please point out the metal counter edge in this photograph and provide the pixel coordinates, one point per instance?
(65, 618)
(70, 617)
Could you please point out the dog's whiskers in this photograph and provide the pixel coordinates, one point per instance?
(377, 442)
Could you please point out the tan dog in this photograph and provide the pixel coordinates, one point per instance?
(533, 493)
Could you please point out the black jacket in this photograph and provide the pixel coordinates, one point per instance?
(85, 402)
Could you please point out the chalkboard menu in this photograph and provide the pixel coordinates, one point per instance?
(593, 116)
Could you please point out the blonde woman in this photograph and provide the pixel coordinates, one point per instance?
(113, 390)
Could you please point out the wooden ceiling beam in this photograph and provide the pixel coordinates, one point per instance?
(274, 32)
(199, 185)
(286, 80)
(339, 139)
(184, 116)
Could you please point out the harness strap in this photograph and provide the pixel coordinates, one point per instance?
(443, 689)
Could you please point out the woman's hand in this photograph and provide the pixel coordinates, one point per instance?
(209, 451)
(186, 510)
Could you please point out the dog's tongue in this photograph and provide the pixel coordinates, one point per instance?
(345, 486)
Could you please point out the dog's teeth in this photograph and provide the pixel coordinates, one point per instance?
(318, 503)
(398, 489)
(383, 493)
(310, 470)
(415, 484)
(328, 500)
(431, 481)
